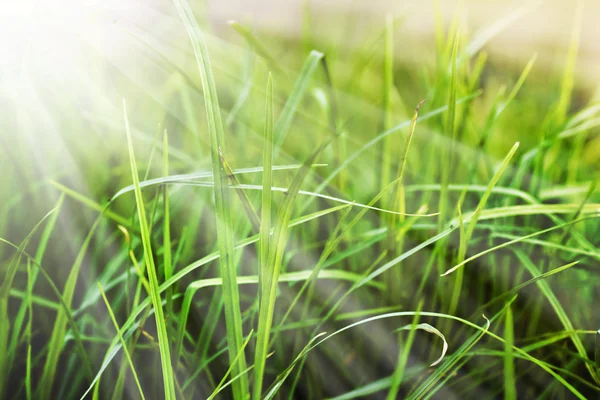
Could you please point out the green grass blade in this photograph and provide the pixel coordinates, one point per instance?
(266, 207)
(448, 154)
(163, 338)
(271, 273)
(284, 121)
(252, 215)
(256, 44)
(167, 256)
(510, 390)
(231, 299)
(403, 356)
(127, 355)
(223, 380)
(559, 311)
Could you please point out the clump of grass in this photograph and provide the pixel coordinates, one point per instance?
(300, 224)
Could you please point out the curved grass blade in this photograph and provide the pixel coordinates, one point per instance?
(403, 354)
(127, 355)
(184, 178)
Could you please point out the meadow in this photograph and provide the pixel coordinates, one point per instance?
(235, 213)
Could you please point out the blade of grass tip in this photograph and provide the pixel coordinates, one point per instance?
(510, 389)
(398, 198)
(284, 121)
(339, 144)
(271, 273)
(563, 317)
(127, 355)
(248, 78)
(256, 45)
(233, 317)
(488, 32)
(447, 161)
(388, 87)
(266, 208)
(568, 80)
(163, 338)
(403, 355)
(223, 380)
(522, 78)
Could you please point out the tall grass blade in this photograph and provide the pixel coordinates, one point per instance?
(273, 268)
(233, 318)
(163, 338)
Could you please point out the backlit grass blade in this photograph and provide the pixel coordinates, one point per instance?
(163, 338)
(568, 80)
(233, 319)
(191, 177)
(255, 43)
(286, 117)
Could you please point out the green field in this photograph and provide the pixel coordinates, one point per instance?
(217, 211)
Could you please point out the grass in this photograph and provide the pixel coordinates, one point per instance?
(304, 217)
